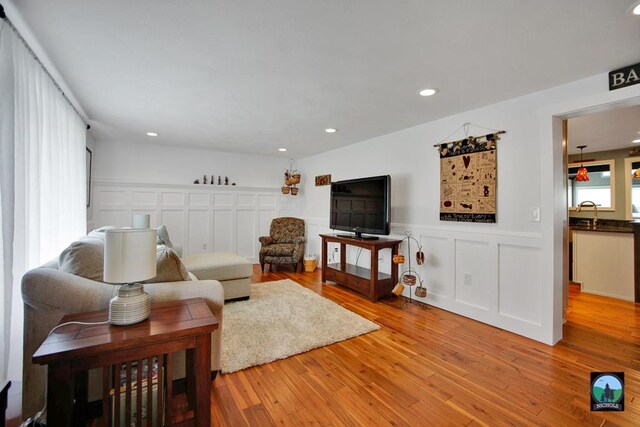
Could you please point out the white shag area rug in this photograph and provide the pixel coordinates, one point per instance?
(281, 319)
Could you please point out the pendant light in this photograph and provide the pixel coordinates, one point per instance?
(582, 172)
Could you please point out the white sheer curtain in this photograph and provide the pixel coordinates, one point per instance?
(6, 198)
(46, 152)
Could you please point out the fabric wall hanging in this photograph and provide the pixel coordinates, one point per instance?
(468, 178)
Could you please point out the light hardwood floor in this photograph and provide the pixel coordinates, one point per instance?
(433, 367)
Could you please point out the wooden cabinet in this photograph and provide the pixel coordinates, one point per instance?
(603, 263)
(368, 282)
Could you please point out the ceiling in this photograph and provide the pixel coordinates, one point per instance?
(610, 130)
(251, 76)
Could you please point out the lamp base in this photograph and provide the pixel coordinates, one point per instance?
(131, 305)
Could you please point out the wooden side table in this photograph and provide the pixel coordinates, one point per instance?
(121, 351)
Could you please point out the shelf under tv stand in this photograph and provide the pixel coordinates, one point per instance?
(369, 282)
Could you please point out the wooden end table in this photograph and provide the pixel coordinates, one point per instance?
(73, 349)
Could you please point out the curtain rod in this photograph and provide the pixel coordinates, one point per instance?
(3, 16)
(499, 132)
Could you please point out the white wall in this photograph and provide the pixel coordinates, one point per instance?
(515, 264)
(158, 164)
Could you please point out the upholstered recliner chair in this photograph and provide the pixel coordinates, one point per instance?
(285, 243)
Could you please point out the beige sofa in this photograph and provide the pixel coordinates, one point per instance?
(232, 271)
(49, 294)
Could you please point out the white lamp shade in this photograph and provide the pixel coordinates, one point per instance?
(129, 255)
(141, 221)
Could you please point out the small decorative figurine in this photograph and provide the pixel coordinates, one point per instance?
(204, 179)
(226, 180)
(197, 181)
(220, 180)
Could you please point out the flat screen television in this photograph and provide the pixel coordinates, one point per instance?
(361, 206)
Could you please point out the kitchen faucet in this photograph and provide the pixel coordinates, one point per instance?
(595, 210)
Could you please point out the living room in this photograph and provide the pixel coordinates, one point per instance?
(178, 92)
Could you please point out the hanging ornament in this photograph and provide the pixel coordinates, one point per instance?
(582, 174)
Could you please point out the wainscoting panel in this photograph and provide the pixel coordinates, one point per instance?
(144, 198)
(113, 216)
(223, 232)
(175, 222)
(198, 218)
(504, 286)
(266, 216)
(173, 198)
(437, 268)
(198, 230)
(471, 260)
(246, 235)
(520, 287)
(223, 200)
(114, 198)
(199, 199)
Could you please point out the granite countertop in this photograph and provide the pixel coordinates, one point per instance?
(604, 226)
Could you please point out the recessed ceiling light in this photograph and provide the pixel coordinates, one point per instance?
(152, 133)
(331, 130)
(427, 92)
(635, 9)
(282, 149)
(636, 141)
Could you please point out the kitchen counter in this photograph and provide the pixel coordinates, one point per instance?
(604, 225)
(603, 262)
(602, 228)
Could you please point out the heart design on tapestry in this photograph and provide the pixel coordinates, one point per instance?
(466, 160)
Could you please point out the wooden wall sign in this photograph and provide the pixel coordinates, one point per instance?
(323, 180)
(627, 76)
(468, 176)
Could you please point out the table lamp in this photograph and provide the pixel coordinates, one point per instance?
(129, 257)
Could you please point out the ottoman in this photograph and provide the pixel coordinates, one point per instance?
(232, 271)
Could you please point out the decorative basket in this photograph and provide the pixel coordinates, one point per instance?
(409, 279)
(294, 191)
(295, 179)
(397, 289)
(420, 256)
(310, 265)
(285, 190)
(421, 291)
(398, 259)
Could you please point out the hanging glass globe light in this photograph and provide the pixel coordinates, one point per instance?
(582, 174)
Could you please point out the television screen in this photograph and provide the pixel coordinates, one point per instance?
(361, 205)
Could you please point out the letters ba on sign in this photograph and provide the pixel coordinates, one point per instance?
(624, 77)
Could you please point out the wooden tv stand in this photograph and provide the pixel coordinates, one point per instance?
(368, 282)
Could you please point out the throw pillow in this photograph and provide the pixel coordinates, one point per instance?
(84, 258)
(169, 268)
(163, 237)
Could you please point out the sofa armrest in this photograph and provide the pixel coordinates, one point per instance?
(52, 289)
(298, 249)
(299, 240)
(265, 240)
